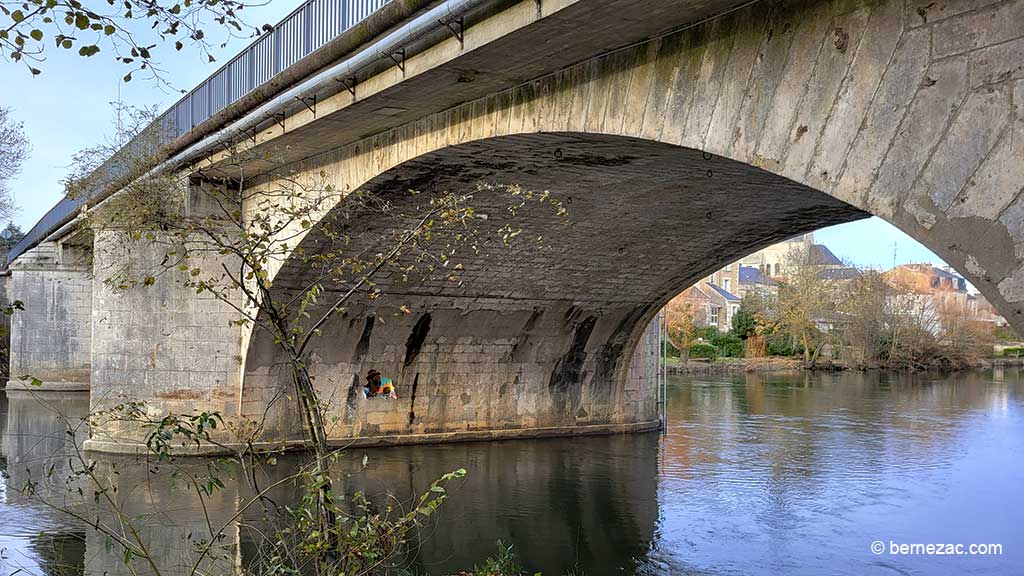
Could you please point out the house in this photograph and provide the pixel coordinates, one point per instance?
(771, 261)
(708, 303)
(928, 279)
(753, 279)
(937, 290)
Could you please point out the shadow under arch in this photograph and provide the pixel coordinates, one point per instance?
(539, 337)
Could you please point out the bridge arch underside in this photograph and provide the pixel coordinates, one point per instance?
(808, 113)
(540, 336)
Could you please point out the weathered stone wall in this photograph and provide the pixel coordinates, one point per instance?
(50, 338)
(484, 367)
(163, 344)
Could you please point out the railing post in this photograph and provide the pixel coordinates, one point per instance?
(252, 69)
(307, 28)
(275, 37)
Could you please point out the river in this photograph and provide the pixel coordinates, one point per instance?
(757, 474)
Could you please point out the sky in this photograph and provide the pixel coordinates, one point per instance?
(67, 108)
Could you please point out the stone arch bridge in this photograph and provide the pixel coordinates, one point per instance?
(685, 134)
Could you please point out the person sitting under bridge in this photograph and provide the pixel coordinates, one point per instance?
(377, 385)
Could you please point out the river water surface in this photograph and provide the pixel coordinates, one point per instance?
(757, 474)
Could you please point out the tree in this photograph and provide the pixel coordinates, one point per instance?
(14, 151)
(867, 317)
(744, 322)
(131, 30)
(683, 319)
(11, 235)
(806, 304)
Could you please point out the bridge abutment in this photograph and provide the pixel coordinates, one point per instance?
(51, 338)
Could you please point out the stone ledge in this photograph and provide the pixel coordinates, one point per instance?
(116, 447)
(48, 386)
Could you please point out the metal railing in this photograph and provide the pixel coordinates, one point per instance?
(307, 28)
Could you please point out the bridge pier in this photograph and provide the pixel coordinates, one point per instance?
(51, 337)
(164, 345)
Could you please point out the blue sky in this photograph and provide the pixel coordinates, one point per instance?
(870, 243)
(67, 108)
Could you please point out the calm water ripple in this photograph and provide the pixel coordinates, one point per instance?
(757, 474)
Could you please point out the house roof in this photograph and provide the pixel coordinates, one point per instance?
(844, 273)
(820, 255)
(751, 275)
(724, 293)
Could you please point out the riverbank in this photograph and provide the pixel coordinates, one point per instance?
(735, 365)
(793, 364)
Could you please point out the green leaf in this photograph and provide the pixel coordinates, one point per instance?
(36, 35)
(17, 15)
(108, 30)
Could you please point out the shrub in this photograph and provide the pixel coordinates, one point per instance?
(734, 349)
(782, 345)
(728, 344)
(707, 333)
(1014, 352)
(706, 351)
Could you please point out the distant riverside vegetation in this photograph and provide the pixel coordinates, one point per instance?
(913, 316)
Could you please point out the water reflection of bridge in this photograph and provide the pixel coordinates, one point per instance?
(564, 503)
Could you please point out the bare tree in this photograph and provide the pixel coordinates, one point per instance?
(14, 150)
(806, 304)
(865, 317)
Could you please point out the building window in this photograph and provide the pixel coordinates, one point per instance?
(727, 267)
(714, 315)
(725, 284)
(778, 271)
